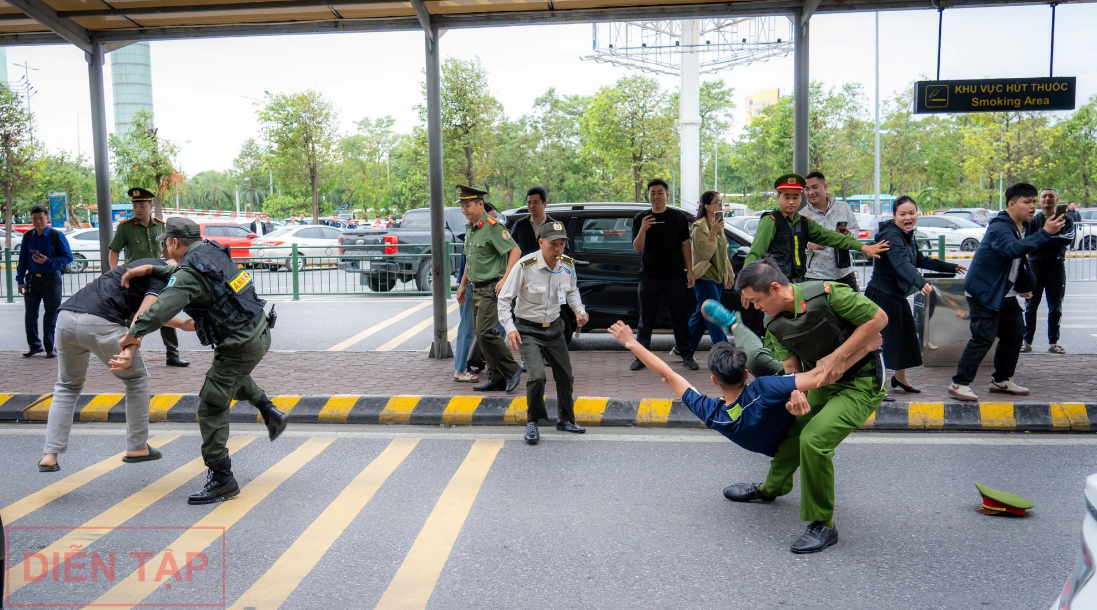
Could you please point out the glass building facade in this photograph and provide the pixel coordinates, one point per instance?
(131, 76)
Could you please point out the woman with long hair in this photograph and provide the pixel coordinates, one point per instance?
(894, 279)
(711, 267)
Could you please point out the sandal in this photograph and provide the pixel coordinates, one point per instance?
(50, 468)
(1026, 348)
(466, 377)
(1055, 349)
(153, 455)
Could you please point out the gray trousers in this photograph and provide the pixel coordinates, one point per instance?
(78, 336)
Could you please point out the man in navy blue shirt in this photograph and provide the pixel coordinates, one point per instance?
(42, 255)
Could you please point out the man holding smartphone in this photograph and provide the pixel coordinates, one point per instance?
(824, 262)
(42, 256)
(1048, 264)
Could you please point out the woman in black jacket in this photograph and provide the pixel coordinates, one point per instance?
(894, 279)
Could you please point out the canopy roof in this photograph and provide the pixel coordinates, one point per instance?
(82, 22)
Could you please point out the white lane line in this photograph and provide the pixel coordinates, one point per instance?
(414, 330)
(366, 431)
(342, 345)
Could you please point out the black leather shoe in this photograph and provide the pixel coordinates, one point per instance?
(51, 354)
(909, 389)
(32, 351)
(491, 386)
(532, 436)
(636, 365)
(273, 417)
(513, 381)
(746, 492)
(569, 426)
(690, 363)
(220, 484)
(817, 537)
(177, 361)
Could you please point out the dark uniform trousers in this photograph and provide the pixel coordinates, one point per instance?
(674, 293)
(1007, 325)
(1050, 280)
(171, 341)
(228, 378)
(485, 312)
(552, 343)
(42, 289)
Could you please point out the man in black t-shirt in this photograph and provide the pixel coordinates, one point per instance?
(661, 236)
(91, 322)
(1048, 265)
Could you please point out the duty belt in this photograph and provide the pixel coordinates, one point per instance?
(485, 282)
(526, 322)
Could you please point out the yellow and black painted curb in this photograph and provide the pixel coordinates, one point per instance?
(589, 411)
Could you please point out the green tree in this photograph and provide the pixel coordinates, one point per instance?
(17, 153)
(210, 190)
(300, 131)
(363, 172)
(469, 119)
(1073, 147)
(250, 170)
(62, 173)
(142, 158)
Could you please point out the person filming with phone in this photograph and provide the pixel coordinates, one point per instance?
(711, 267)
(1048, 263)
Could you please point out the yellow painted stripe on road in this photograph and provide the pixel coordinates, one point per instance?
(98, 407)
(588, 411)
(160, 404)
(132, 590)
(1070, 415)
(460, 409)
(653, 412)
(413, 584)
(365, 334)
(517, 411)
(284, 403)
(39, 410)
(275, 586)
(926, 415)
(414, 330)
(398, 410)
(21, 508)
(997, 415)
(337, 408)
(102, 524)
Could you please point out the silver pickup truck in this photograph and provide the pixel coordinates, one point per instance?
(384, 257)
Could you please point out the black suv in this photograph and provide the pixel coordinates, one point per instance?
(600, 241)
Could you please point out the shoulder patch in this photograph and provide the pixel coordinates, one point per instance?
(155, 220)
(529, 262)
(130, 219)
(171, 281)
(491, 221)
(505, 234)
(567, 260)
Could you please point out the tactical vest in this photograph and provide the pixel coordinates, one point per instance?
(235, 303)
(789, 246)
(817, 332)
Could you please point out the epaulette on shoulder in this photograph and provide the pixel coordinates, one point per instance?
(155, 219)
(567, 260)
(130, 219)
(492, 221)
(529, 261)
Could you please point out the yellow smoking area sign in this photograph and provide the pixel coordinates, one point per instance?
(995, 95)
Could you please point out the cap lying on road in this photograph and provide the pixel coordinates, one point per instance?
(997, 502)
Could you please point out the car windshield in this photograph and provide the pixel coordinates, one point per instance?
(964, 223)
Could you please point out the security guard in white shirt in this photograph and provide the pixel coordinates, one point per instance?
(529, 310)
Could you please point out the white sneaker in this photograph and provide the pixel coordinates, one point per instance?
(963, 392)
(1007, 387)
(674, 351)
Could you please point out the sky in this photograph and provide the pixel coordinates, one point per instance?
(205, 91)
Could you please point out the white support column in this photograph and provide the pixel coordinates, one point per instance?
(801, 102)
(689, 116)
(439, 347)
(99, 147)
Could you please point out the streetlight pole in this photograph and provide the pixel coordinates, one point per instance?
(877, 152)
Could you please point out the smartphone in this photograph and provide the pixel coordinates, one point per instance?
(35, 253)
(1060, 210)
(718, 216)
(842, 227)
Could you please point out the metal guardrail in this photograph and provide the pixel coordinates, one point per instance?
(289, 270)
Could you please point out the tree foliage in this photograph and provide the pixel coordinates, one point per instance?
(143, 159)
(300, 130)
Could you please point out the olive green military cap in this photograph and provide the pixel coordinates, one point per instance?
(553, 231)
(180, 228)
(998, 502)
(139, 194)
(467, 193)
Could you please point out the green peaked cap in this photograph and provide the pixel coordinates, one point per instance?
(1004, 497)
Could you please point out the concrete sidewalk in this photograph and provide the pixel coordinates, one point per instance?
(1051, 378)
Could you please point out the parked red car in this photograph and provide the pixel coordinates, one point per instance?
(230, 234)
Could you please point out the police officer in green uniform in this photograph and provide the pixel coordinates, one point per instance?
(529, 309)
(783, 234)
(490, 253)
(137, 237)
(811, 325)
(228, 314)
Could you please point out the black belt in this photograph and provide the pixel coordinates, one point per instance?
(485, 282)
(526, 322)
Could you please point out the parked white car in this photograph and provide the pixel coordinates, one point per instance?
(16, 241)
(959, 233)
(84, 244)
(1079, 593)
(316, 244)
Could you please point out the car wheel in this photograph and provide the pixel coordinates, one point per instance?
(288, 264)
(382, 283)
(79, 264)
(424, 280)
(969, 245)
(1090, 242)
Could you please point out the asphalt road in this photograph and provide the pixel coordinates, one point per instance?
(387, 517)
(369, 322)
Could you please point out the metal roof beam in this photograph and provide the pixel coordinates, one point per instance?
(63, 27)
(809, 9)
(424, 17)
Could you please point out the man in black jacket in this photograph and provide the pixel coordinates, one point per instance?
(1048, 263)
(528, 229)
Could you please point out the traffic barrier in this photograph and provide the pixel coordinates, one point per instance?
(589, 411)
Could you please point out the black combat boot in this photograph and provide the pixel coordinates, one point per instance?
(273, 417)
(220, 484)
